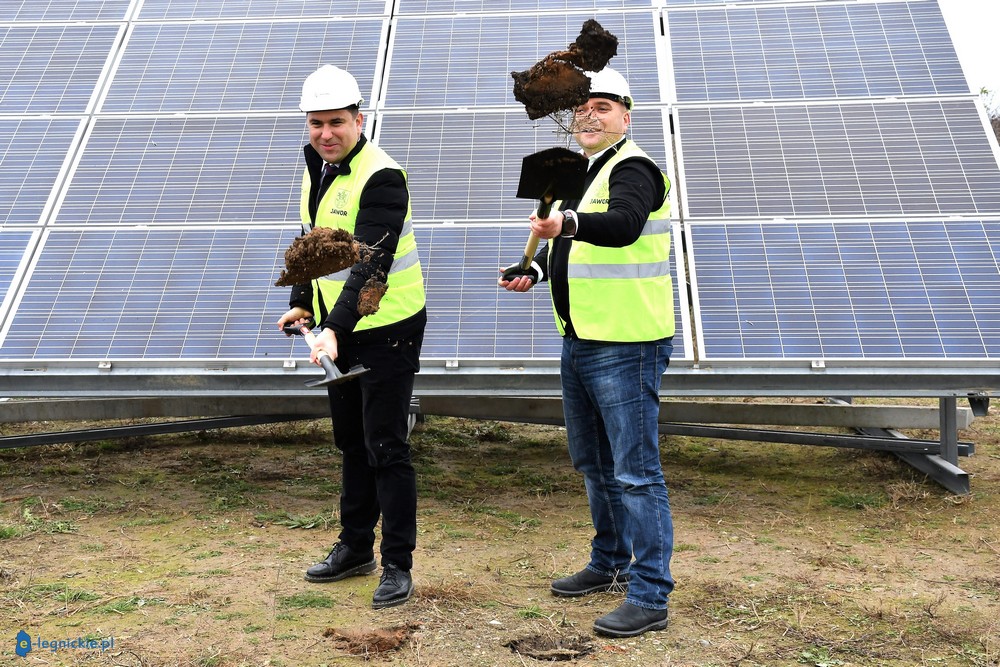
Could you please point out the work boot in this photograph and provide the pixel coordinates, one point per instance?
(630, 620)
(340, 564)
(395, 587)
(586, 581)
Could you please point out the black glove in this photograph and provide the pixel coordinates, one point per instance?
(515, 271)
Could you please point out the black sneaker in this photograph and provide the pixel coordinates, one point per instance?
(630, 620)
(585, 581)
(340, 564)
(395, 587)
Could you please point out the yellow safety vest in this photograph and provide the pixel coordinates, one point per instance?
(621, 294)
(339, 209)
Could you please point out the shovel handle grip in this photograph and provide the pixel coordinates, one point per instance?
(544, 206)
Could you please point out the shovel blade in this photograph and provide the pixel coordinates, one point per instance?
(337, 377)
(555, 173)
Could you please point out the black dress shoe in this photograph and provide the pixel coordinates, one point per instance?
(395, 587)
(630, 620)
(340, 564)
(585, 581)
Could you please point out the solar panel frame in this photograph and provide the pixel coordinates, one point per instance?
(158, 10)
(466, 61)
(151, 294)
(185, 170)
(460, 7)
(26, 159)
(54, 68)
(812, 51)
(923, 157)
(863, 290)
(250, 66)
(21, 11)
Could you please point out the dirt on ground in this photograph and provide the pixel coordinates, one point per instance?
(189, 550)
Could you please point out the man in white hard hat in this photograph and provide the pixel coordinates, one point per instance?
(349, 183)
(607, 265)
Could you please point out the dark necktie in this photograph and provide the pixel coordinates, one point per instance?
(326, 175)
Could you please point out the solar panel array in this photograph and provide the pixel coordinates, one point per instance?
(839, 184)
(835, 186)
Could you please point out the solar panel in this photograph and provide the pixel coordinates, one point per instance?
(469, 316)
(201, 67)
(813, 51)
(29, 167)
(490, 147)
(250, 9)
(823, 218)
(847, 289)
(892, 158)
(173, 170)
(52, 68)
(407, 7)
(63, 10)
(466, 61)
(152, 294)
(12, 247)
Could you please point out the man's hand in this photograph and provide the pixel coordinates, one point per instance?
(547, 228)
(516, 279)
(297, 316)
(326, 341)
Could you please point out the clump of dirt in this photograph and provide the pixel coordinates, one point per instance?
(557, 81)
(319, 253)
(370, 296)
(551, 649)
(370, 642)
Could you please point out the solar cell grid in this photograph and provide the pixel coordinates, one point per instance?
(63, 10)
(29, 167)
(236, 66)
(914, 158)
(12, 247)
(478, 6)
(140, 171)
(250, 9)
(466, 61)
(190, 294)
(466, 165)
(824, 50)
(870, 290)
(469, 316)
(52, 68)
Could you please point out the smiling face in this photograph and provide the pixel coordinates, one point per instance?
(599, 123)
(334, 133)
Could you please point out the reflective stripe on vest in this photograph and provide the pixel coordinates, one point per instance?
(338, 209)
(621, 294)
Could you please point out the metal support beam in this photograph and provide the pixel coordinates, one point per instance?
(135, 430)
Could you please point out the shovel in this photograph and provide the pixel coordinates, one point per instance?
(555, 173)
(333, 374)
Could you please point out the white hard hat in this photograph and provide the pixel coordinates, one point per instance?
(609, 83)
(330, 87)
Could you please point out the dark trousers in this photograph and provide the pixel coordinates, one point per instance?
(370, 416)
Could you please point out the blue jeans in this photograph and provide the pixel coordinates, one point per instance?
(611, 402)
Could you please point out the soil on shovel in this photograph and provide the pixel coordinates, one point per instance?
(319, 253)
(557, 81)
